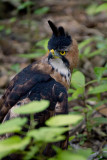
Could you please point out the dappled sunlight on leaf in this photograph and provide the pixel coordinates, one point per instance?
(62, 120)
(12, 144)
(33, 107)
(13, 125)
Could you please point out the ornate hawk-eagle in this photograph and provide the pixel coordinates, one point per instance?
(48, 78)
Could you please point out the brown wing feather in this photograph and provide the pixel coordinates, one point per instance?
(19, 86)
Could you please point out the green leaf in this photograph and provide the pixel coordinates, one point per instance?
(91, 10)
(13, 125)
(99, 72)
(8, 31)
(24, 5)
(84, 152)
(101, 8)
(41, 11)
(71, 91)
(99, 89)
(77, 108)
(12, 144)
(47, 134)
(87, 51)
(85, 42)
(68, 155)
(31, 153)
(15, 67)
(77, 92)
(100, 104)
(104, 152)
(33, 107)
(100, 120)
(96, 52)
(31, 55)
(78, 79)
(63, 120)
(71, 138)
(13, 19)
(2, 27)
(43, 43)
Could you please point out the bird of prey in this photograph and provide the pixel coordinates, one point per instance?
(48, 78)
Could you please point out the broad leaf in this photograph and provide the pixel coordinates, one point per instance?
(12, 144)
(33, 107)
(96, 52)
(47, 134)
(43, 43)
(99, 89)
(102, 7)
(71, 155)
(41, 11)
(91, 9)
(31, 153)
(24, 5)
(100, 120)
(77, 108)
(85, 42)
(31, 55)
(13, 125)
(78, 79)
(76, 93)
(99, 72)
(62, 120)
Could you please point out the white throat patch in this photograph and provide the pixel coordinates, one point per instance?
(60, 67)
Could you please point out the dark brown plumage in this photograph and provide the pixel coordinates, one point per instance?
(48, 78)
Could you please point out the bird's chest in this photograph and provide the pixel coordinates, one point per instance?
(61, 68)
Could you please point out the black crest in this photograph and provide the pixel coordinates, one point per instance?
(60, 39)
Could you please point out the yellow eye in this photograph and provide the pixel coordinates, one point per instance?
(62, 53)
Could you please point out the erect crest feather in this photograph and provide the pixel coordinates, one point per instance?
(53, 27)
(56, 31)
(61, 31)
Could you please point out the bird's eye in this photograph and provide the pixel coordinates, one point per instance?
(62, 52)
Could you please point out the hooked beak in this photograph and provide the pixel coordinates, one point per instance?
(53, 54)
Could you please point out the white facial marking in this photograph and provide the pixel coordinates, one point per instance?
(60, 67)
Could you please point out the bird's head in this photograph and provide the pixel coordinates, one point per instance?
(63, 50)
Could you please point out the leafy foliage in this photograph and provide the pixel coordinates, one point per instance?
(62, 120)
(78, 84)
(33, 107)
(80, 155)
(53, 133)
(12, 145)
(47, 135)
(14, 125)
(41, 11)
